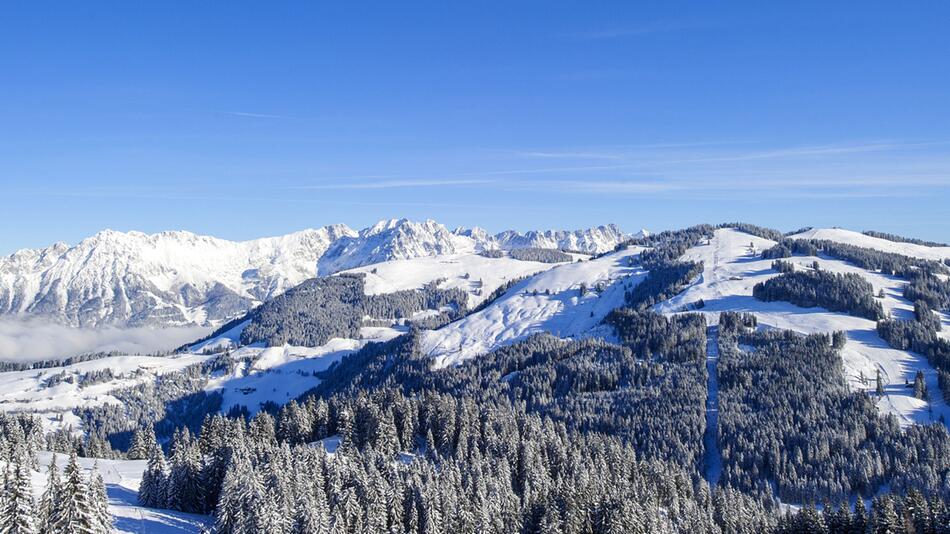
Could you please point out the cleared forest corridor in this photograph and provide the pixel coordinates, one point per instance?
(712, 460)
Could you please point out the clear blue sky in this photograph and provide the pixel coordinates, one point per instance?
(244, 119)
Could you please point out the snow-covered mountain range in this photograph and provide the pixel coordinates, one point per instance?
(180, 278)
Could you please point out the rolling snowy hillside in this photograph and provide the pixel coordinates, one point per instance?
(861, 240)
(568, 301)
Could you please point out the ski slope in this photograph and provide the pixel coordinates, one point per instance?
(858, 239)
(549, 302)
(122, 479)
(478, 275)
(730, 272)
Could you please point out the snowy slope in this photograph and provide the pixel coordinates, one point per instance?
(860, 240)
(726, 284)
(476, 274)
(171, 278)
(122, 479)
(47, 392)
(279, 374)
(549, 302)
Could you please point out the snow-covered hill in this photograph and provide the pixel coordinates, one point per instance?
(732, 268)
(861, 240)
(568, 301)
(171, 278)
(474, 273)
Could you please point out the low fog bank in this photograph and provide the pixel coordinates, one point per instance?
(29, 340)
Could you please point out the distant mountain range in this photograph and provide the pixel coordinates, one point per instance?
(180, 278)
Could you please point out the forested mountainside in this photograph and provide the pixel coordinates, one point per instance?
(179, 278)
(720, 378)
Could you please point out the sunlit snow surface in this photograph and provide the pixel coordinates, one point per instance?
(31, 391)
(731, 270)
(860, 240)
(549, 302)
(122, 478)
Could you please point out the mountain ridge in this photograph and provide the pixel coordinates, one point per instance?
(177, 278)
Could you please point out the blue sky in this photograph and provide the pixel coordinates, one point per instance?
(248, 119)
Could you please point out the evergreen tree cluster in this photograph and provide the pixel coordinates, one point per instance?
(167, 402)
(787, 417)
(901, 239)
(758, 231)
(927, 287)
(910, 514)
(461, 468)
(865, 258)
(666, 247)
(848, 292)
(493, 253)
(543, 255)
(662, 283)
(920, 335)
(70, 504)
(589, 385)
(677, 338)
(21, 436)
(319, 309)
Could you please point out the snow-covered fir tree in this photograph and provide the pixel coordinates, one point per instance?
(19, 508)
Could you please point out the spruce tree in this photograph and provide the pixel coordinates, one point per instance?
(153, 488)
(50, 499)
(100, 501)
(74, 515)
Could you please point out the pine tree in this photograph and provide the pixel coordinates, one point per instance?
(74, 515)
(19, 512)
(153, 488)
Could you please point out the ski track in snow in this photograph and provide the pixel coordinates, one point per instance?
(731, 270)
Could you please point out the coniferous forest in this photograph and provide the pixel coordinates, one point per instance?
(602, 434)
